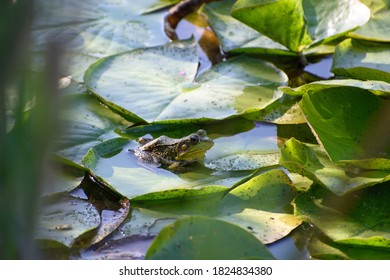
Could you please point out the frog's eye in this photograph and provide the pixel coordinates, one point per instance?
(194, 139)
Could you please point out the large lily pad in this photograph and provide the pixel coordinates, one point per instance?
(362, 60)
(312, 161)
(357, 131)
(206, 238)
(89, 30)
(301, 24)
(166, 75)
(359, 218)
(376, 29)
(260, 205)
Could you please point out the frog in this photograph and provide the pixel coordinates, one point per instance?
(174, 154)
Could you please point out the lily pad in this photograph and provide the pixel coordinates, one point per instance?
(360, 130)
(90, 30)
(178, 128)
(65, 219)
(357, 131)
(376, 29)
(166, 75)
(261, 206)
(320, 249)
(85, 123)
(160, 4)
(245, 151)
(376, 87)
(301, 24)
(200, 238)
(362, 60)
(285, 16)
(234, 35)
(312, 161)
(68, 176)
(359, 218)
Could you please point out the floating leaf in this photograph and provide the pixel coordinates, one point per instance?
(166, 75)
(362, 60)
(359, 218)
(65, 219)
(260, 206)
(301, 24)
(335, 251)
(178, 128)
(86, 123)
(90, 30)
(312, 161)
(286, 18)
(377, 87)
(357, 131)
(234, 35)
(160, 4)
(199, 238)
(68, 176)
(376, 29)
(245, 151)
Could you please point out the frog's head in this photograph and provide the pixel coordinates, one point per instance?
(194, 146)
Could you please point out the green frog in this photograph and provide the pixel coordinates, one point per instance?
(175, 154)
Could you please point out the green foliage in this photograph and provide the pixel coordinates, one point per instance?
(357, 218)
(301, 24)
(362, 60)
(323, 158)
